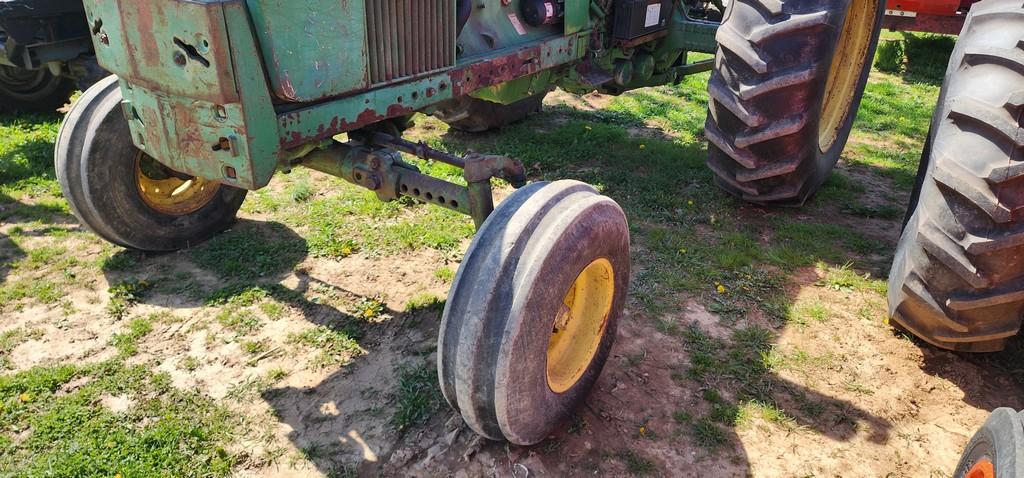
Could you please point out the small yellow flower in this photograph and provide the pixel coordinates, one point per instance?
(721, 289)
(24, 398)
(682, 251)
(368, 313)
(117, 475)
(690, 202)
(643, 146)
(643, 431)
(345, 251)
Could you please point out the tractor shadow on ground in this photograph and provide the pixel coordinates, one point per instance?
(25, 163)
(339, 423)
(988, 380)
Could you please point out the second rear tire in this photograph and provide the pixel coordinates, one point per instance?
(788, 81)
(957, 280)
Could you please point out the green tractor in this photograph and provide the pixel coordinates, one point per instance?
(212, 98)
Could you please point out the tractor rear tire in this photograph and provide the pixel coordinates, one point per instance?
(788, 81)
(474, 115)
(996, 450)
(33, 91)
(533, 311)
(123, 195)
(957, 280)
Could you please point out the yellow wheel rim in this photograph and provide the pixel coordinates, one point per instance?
(844, 77)
(579, 325)
(170, 192)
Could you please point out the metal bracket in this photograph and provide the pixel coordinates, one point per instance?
(375, 163)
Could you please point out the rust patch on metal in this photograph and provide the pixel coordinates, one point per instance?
(499, 70)
(462, 81)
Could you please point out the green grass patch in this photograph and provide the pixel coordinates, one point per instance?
(424, 302)
(709, 435)
(637, 464)
(43, 290)
(251, 251)
(240, 321)
(125, 294)
(417, 397)
(127, 342)
(845, 279)
(337, 346)
(69, 432)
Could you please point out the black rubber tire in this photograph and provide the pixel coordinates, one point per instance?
(95, 159)
(474, 115)
(500, 312)
(1000, 441)
(957, 280)
(766, 94)
(922, 171)
(48, 94)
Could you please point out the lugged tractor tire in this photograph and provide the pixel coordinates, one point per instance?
(474, 115)
(122, 195)
(33, 91)
(996, 450)
(787, 83)
(957, 280)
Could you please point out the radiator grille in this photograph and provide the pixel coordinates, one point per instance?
(409, 37)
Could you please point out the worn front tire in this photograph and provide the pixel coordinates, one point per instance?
(533, 310)
(123, 195)
(957, 280)
(788, 81)
(996, 450)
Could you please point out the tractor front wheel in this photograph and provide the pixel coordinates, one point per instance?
(533, 310)
(788, 81)
(125, 196)
(996, 450)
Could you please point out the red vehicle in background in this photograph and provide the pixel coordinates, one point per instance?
(932, 16)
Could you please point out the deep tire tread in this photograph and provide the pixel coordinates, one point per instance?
(769, 80)
(964, 243)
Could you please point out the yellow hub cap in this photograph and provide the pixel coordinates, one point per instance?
(580, 325)
(170, 192)
(848, 64)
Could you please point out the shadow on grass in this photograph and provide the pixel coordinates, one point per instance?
(28, 167)
(337, 424)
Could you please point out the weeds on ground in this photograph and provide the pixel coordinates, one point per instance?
(337, 347)
(124, 295)
(127, 343)
(417, 396)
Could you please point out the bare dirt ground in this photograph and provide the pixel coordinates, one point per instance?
(891, 407)
(854, 398)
